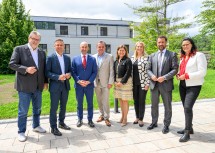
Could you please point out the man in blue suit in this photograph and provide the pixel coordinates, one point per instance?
(84, 71)
(58, 70)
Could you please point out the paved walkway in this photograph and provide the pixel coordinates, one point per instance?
(117, 139)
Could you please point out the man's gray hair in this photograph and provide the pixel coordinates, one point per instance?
(34, 33)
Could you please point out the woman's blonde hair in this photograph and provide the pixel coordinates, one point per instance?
(135, 51)
(125, 48)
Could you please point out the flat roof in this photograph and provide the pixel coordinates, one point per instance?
(86, 21)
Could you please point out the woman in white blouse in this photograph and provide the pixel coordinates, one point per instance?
(192, 70)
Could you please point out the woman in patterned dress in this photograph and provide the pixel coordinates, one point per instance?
(123, 81)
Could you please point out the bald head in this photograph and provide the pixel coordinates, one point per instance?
(84, 47)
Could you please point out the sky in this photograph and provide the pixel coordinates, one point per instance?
(107, 9)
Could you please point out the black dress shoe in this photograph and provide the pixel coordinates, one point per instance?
(79, 123)
(91, 124)
(152, 126)
(165, 129)
(64, 126)
(56, 132)
(182, 131)
(185, 137)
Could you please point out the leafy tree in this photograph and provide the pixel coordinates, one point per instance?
(206, 18)
(156, 22)
(203, 42)
(15, 26)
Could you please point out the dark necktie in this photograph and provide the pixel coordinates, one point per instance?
(160, 63)
(84, 62)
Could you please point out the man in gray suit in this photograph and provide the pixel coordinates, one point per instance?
(162, 67)
(103, 81)
(29, 63)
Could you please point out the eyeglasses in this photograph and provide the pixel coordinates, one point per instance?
(184, 45)
(34, 39)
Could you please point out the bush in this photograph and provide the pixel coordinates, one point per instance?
(211, 62)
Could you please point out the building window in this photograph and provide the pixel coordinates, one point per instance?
(131, 33)
(89, 50)
(67, 49)
(103, 31)
(63, 30)
(44, 25)
(84, 31)
(43, 47)
(108, 48)
(127, 46)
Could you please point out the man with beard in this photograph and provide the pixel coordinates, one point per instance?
(162, 67)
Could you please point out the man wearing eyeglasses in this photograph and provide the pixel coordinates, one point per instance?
(29, 63)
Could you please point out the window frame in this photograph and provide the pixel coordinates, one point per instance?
(64, 31)
(65, 49)
(103, 31)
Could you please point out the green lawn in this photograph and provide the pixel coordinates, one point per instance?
(10, 110)
(6, 79)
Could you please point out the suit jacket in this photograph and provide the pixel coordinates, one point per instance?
(88, 74)
(53, 71)
(124, 68)
(105, 71)
(20, 60)
(168, 70)
(196, 68)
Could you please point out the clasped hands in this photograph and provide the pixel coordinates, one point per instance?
(180, 77)
(159, 79)
(31, 70)
(83, 83)
(63, 77)
(118, 84)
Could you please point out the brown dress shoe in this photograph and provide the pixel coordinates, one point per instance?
(107, 122)
(101, 118)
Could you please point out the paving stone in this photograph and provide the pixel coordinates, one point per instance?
(6, 142)
(77, 148)
(199, 148)
(53, 150)
(169, 143)
(83, 138)
(128, 139)
(59, 143)
(122, 141)
(12, 149)
(98, 145)
(172, 150)
(37, 146)
(110, 135)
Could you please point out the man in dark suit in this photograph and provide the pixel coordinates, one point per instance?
(84, 71)
(162, 67)
(58, 70)
(29, 63)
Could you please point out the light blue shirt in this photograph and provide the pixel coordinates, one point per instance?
(100, 59)
(61, 61)
(34, 54)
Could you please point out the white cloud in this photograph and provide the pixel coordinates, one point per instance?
(104, 9)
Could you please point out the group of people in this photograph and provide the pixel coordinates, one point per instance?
(131, 78)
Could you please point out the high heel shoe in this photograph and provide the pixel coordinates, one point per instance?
(136, 121)
(140, 123)
(124, 122)
(120, 121)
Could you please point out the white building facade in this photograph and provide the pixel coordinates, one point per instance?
(76, 30)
